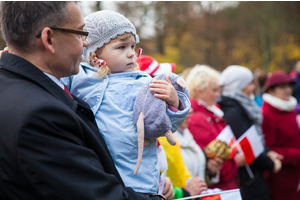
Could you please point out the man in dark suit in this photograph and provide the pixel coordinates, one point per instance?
(50, 146)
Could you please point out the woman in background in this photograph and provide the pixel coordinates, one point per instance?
(206, 122)
(241, 112)
(282, 135)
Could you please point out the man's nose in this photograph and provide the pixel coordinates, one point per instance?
(86, 43)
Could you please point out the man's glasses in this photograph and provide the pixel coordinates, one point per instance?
(82, 34)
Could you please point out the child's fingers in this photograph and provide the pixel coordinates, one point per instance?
(160, 82)
(168, 79)
(161, 86)
(159, 90)
(165, 82)
(161, 96)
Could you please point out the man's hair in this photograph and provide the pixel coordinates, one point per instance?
(22, 21)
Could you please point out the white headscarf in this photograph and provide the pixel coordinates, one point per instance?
(235, 77)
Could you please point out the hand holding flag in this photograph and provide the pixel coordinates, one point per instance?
(228, 137)
(220, 147)
(251, 144)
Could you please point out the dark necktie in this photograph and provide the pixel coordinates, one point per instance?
(67, 91)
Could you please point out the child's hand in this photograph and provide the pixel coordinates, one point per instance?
(165, 91)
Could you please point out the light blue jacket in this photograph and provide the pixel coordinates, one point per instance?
(111, 99)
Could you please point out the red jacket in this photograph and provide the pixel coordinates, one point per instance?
(205, 126)
(282, 135)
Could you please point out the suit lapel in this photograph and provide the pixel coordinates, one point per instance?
(26, 69)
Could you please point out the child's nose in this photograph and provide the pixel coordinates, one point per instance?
(131, 53)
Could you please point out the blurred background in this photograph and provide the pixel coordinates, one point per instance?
(258, 35)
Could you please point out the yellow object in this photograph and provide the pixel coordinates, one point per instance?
(177, 171)
(218, 148)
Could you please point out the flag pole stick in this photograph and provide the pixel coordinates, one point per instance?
(234, 145)
(246, 165)
(249, 171)
(237, 141)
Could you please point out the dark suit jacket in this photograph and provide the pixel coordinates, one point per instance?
(50, 146)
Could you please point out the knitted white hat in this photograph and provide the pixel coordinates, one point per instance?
(235, 77)
(103, 26)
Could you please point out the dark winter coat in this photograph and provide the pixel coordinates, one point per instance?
(256, 188)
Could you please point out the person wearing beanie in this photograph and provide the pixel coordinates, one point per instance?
(241, 112)
(109, 81)
(281, 129)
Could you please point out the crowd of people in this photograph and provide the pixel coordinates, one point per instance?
(67, 99)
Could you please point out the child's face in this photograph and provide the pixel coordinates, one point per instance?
(120, 55)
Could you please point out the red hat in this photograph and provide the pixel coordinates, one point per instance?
(278, 78)
(154, 68)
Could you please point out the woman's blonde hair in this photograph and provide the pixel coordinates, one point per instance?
(104, 70)
(200, 77)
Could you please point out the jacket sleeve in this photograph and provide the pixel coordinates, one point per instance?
(239, 125)
(263, 162)
(269, 130)
(197, 125)
(291, 155)
(178, 117)
(228, 170)
(53, 157)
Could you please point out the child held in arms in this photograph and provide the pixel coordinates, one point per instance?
(109, 80)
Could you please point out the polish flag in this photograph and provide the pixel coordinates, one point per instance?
(226, 195)
(251, 144)
(228, 137)
(234, 194)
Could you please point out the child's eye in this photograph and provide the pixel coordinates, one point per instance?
(121, 47)
(133, 46)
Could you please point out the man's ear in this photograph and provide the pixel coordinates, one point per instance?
(47, 39)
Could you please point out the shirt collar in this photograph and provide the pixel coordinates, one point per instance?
(55, 80)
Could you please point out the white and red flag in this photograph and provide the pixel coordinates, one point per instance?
(251, 144)
(225, 195)
(234, 194)
(228, 137)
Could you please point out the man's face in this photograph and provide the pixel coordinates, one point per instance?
(69, 45)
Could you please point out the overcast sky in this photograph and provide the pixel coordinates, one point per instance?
(106, 5)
